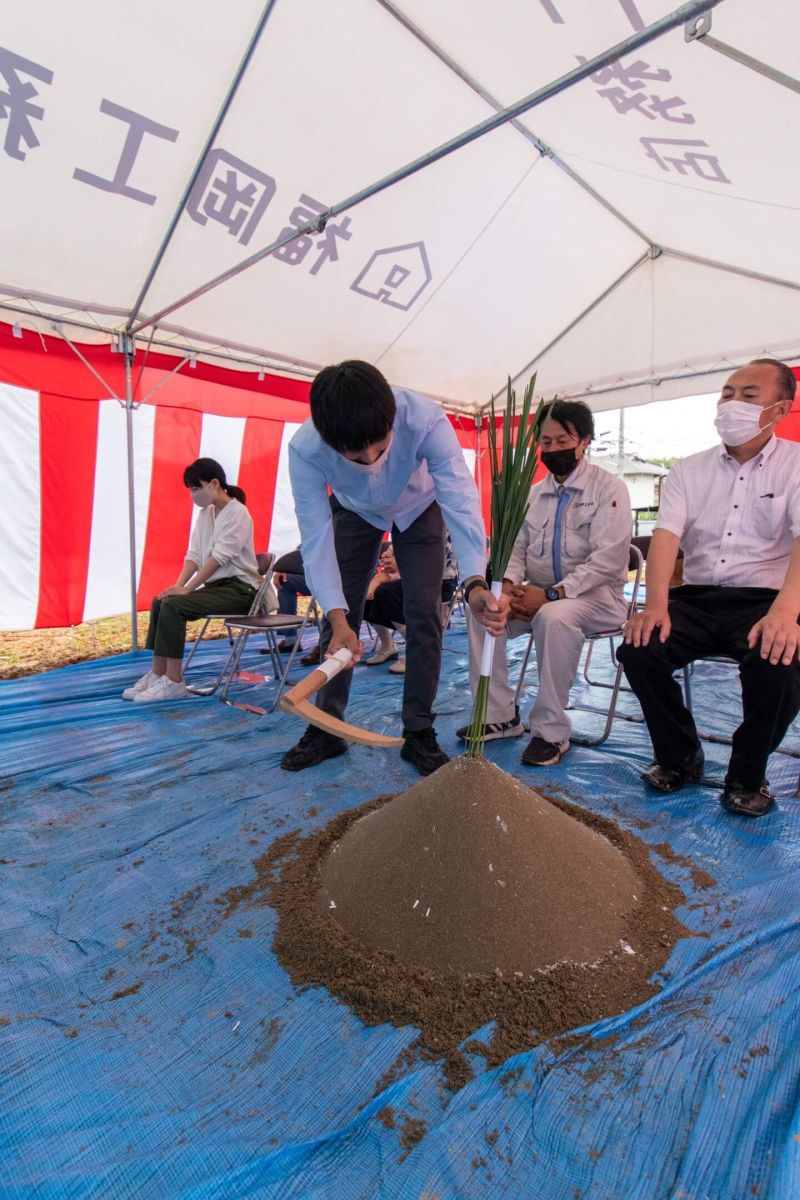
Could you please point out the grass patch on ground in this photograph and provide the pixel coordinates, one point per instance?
(35, 650)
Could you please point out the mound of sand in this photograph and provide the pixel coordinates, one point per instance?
(466, 900)
(471, 872)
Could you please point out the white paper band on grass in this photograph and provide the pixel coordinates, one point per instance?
(487, 658)
(333, 665)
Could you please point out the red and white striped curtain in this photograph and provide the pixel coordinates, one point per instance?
(64, 548)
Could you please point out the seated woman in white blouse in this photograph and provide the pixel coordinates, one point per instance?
(220, 574)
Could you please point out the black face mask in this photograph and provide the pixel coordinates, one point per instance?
(560, 462)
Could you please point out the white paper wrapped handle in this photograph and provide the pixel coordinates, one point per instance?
(334, 663)
(487, 658)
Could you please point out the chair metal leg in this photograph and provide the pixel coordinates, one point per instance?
(599, 682)
(280, 674)
(610, 715)
(209, 691)
(236, 655)
(283, 676)
(587, 663)
(196, 689)
(718, 738)
(523, 669)
(195, 644)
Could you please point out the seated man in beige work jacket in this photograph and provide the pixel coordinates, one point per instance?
(564, 580)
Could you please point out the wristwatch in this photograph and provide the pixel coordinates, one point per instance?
(474, 583)
(552, 593)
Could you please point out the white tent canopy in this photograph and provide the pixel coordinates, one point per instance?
(629, 237)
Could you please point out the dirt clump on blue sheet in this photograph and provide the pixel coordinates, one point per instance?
(470, 900)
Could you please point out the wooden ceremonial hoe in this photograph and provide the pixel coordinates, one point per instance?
(295, 702)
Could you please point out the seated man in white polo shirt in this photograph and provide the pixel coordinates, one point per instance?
(735, 510)
(573, 551)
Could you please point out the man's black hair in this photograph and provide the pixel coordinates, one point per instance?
(575, 416)
(786, 380)
(352, 405)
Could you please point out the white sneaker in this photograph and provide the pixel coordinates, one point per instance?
(141, 685)
(399, 667)
(163, 688)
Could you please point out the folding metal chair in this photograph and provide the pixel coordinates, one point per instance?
(718, 738)
(266, 566)
(635, 564)
(271, 626)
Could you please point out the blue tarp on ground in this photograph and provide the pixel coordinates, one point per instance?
(151, 1048)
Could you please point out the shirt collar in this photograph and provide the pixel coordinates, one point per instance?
(762, 457)
(575, 482)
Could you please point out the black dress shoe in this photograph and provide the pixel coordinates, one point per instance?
(312, 658)
(314, 747)
(285, 647)
(672, 779)
(747, 802)
(422, 749)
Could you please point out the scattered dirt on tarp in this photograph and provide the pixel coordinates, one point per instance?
(128, 991)
(447, 1000)
(700, 878)
(386, 1117)
(413, 1131)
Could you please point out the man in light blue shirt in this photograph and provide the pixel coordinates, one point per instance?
(393, 463)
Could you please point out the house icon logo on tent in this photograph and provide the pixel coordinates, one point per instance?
(396, 275)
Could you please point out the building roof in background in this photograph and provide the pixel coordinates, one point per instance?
(630, 465)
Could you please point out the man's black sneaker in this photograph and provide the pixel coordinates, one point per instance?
(539, 753)
(504, 729)
(314, 747)
(422, 749)
(747, 802)
(672, 779)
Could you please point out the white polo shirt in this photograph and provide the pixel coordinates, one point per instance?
(736, 521)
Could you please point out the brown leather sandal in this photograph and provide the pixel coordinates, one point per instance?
(672, 779)
(747, 802)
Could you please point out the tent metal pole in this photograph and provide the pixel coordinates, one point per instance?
(112, 395)
(257, 363)
(580, 317)
(641, 38)
(544, 150)
(223, 112)
(732, 270)
(674, 377)
(747, 60)
(128, 349)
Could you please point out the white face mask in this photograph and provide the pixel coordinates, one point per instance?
(201, 498)
(375, 467)
(738, 422)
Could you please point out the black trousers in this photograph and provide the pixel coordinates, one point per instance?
(387, 606)
(714, 620)
(419, 551)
